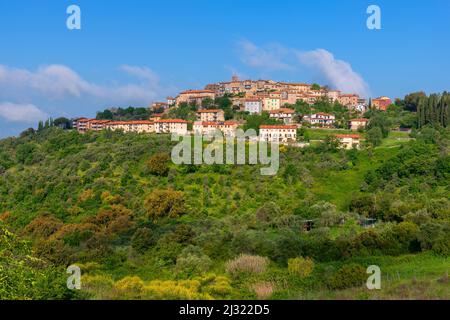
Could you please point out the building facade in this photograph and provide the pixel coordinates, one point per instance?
(284, 114)
(211, 115)
(278, 133)
(253, 106)
(177, 126)
(321, 119)
(349, 141)
(356, 124)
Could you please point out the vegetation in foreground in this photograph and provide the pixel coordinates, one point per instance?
(142, 228)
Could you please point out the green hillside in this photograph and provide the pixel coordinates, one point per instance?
(141, 227)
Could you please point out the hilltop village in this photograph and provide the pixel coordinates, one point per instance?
(283, 107)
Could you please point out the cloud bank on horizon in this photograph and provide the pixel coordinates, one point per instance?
(59, 83)
(274, 57)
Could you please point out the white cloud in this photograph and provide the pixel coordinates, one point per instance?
(274, 57)
(59, 82)
(338, 72)
(269, 57)
(27, 113)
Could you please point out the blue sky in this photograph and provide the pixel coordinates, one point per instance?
(135, 52)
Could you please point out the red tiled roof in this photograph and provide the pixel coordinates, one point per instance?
(131, 122)
(282, 110)
(171, 121)
(197, 91)
(353, 136)
(277, 127)
(253, 100)
(210, 111)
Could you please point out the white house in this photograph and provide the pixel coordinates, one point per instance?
(278, 133)
(253, 106)
(349, 141)
(321, 119)
(228, 128)
(178, 126)
(284, 114)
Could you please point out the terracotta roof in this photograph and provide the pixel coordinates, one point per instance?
(171, 121)
(131, 122)
(210, 111)
(253, 100)
(216, 123)
(353, 136)
(282, 110)
(197, 91)
(277, 127)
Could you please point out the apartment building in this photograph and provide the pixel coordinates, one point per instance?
(348, 100)
(137, 126)
(81, 124)
(253, 105)
(98, 125)
(195, 96)
(271, 103)
(228, 128)
(160, 105)
(284, 114)
(211, 115)
(349, 141)
(278, 133)
(381, 103)
(356, 124)
(177, 126)
(171, 101)
(320, 119)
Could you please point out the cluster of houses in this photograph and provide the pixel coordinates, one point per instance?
(253, 97)
(208, 122)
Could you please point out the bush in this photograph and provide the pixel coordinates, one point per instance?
(248, 264)
(165, 203)
(130, 288)
(302, 267)
(142, 239)
(263, 290)
(192, 261)
(158, 164)
(348, 276)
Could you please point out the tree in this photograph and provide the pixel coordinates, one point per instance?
(255, 121)
(165, 203)
(380, 120)
(158, 164)
(374, 136)
(63, 123)
(315, 86)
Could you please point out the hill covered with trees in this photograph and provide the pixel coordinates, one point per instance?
(141, 227)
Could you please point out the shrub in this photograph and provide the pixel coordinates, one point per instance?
(193, 261)
(248, 264)
(263, 290)
(302, 267)
(142, 239)
(165, 203)
(158, 164)
(348, 276)
(43, 226)
(130, 288)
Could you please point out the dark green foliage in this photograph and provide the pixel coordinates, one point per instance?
(348, 276)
